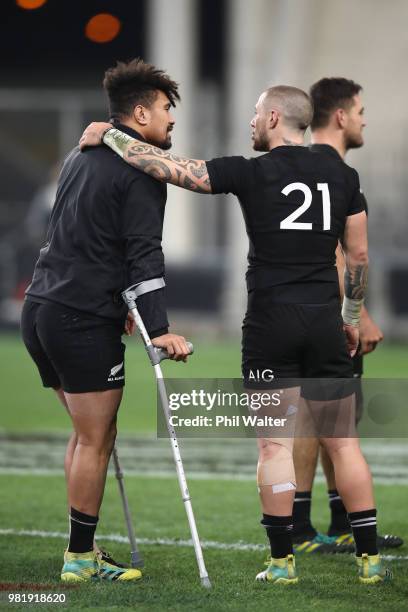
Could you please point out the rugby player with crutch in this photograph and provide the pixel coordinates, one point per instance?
(297, 205)
(73, 317)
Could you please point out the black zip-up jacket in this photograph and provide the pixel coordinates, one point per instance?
(104, 235)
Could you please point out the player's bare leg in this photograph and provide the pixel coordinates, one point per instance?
(335, 419)
(306, 538)
(275, 465)
(274, 501)
(275, 472)
(339, 524)
(306, 451)
(305, 456)
(353, 476)
(339, 521)
(94, 419)
(276, 485)
(354, 483)
(328, 468)
(69, 455)
(72, 442)
(338, 435)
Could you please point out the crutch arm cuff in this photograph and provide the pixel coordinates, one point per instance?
(135, 291)
(151, 304)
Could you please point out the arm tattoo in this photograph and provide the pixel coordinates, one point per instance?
(355, 282)
(190, 174)
(187, 173)
(117, 140)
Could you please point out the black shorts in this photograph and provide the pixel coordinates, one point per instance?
(293, 340)
(73, 350)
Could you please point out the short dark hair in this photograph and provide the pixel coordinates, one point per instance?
(136, 82)
(329, 94)
(294, 104)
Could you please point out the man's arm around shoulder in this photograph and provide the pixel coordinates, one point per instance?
(187, 173)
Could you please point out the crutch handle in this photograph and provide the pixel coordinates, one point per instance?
(163, 354)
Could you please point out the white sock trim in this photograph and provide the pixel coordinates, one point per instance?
(82, 522)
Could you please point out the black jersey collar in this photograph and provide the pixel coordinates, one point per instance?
(325, 148)
(128, 130)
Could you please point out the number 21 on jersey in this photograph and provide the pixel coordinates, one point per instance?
(290, 222)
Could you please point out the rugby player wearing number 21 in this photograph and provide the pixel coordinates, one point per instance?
(297, 204)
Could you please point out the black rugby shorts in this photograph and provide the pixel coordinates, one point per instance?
(294, 341)
(73, 350)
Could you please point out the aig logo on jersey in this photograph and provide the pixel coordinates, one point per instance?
(114, 371)
(257, 375)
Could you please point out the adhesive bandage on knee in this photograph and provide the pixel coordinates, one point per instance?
(277, 471)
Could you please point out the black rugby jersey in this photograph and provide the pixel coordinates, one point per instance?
(104, 235)
(326, 149)
(295, 203)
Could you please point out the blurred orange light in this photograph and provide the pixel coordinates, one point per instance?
(102, 28)
(30, 4)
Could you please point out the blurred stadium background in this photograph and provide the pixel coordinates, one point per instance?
(223, 53)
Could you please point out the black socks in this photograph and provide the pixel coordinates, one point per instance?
(279, 531)
(302, 525)
(339, 522)
(82, 531)
(364, 526)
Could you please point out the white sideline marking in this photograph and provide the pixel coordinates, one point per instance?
(115, 537)
(382, 480)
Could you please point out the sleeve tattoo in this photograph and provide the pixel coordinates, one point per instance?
(355, 282)
(189, 174)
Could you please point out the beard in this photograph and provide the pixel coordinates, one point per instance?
(354, 141)
(167, 143)
(260, 142)
(164, 144)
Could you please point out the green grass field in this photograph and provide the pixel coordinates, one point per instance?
(226, 512)
(26, 406)
(33, 518)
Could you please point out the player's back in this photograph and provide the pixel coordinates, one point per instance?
(295, 203)
(83, 263)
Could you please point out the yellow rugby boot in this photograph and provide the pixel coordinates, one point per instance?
(370, 570)
(109, 571)
(79, 567)
(279, 571)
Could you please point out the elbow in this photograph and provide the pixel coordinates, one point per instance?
(363, 258)
(360, 257)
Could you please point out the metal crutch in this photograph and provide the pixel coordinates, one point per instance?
(130, 296)
(136, 558)
(135, 555)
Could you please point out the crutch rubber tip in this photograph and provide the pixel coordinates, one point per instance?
(137, 560)
(205, 581)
